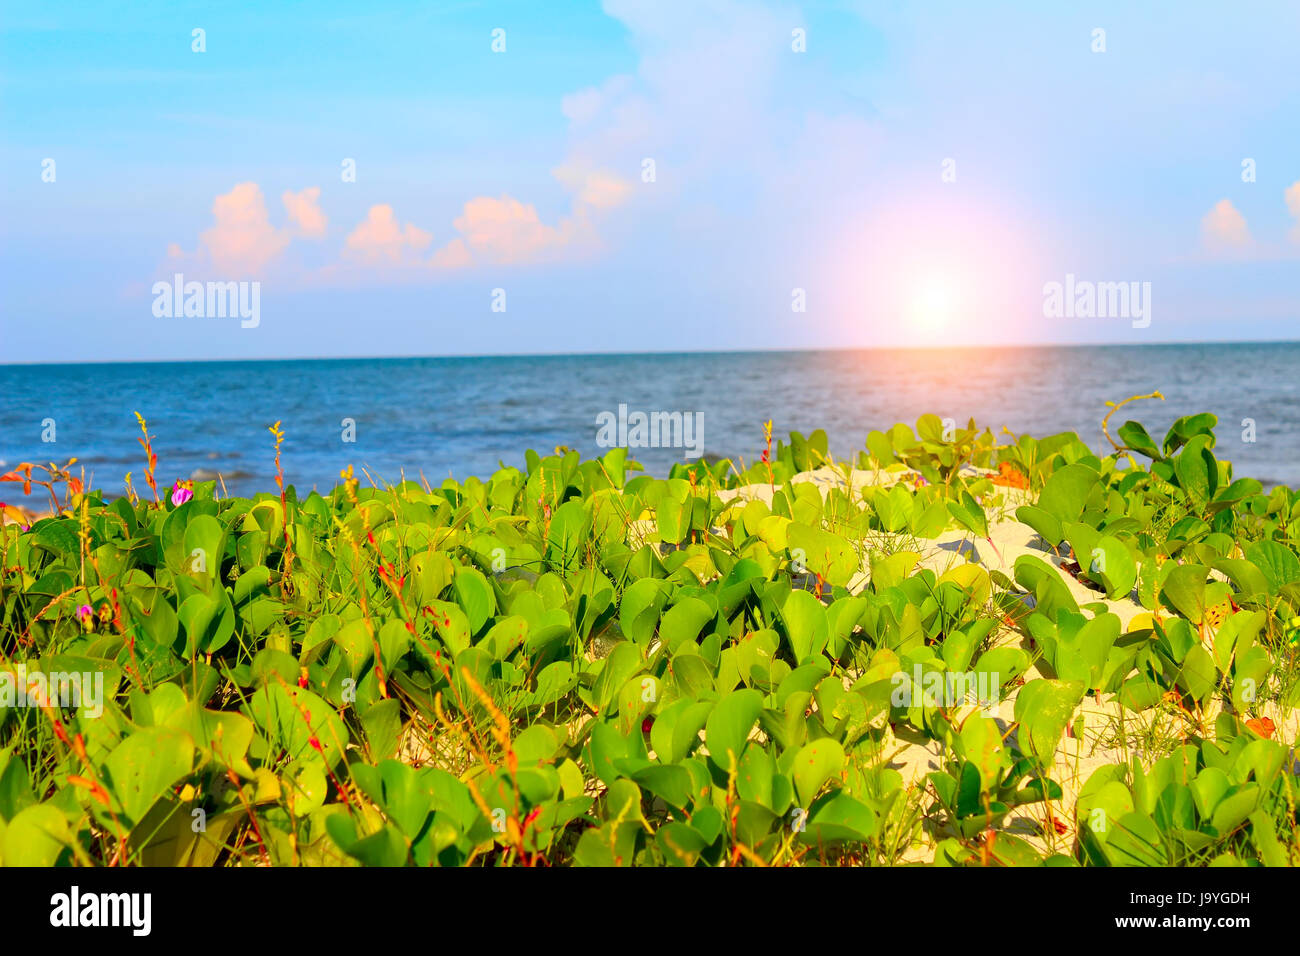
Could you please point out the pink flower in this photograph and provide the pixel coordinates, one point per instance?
(85, 611)
(181, 495)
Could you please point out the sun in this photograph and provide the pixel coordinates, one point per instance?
(933, 305)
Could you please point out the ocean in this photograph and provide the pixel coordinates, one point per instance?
(465, 416)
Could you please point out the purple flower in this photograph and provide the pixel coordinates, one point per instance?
(181, 495)
(84, 611)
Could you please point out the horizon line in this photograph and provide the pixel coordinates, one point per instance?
(647, 352)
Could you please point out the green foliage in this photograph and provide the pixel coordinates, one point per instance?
(578, 664)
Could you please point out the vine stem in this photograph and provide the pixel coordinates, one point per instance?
(1114, 407)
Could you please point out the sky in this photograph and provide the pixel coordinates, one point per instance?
(446, 178)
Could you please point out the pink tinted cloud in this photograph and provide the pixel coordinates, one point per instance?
(506, 231)
(381, 239)
(597, 188)
(1292, 196)
(1224, 229)
(305, 215)
(242, 239)
(492, 230)
(454, 255)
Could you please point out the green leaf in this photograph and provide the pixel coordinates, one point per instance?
(673, 514)
(1197, 471)
(1042, 580)
(981, 744)
(475, 597)
(145, 766)
(1110, 563)
(677, 728)
(1066, 492)
(57, 536)
(1276, 562)
(1187, 427)
(888, 571)
(680, 843)
(822, 552)
(37, 836)
(1199, 675)
(1184, 590)
(1043, 708)
(670, 783)
(1134, 436)
(842, 817)
(204, 547)
(816, 763)
(969, 515)
(682, 622)
(1047, 525)
(729, 724)
(292, 718)
(638, 612)
(806, 625)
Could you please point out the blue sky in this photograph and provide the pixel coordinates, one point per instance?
(775, 170)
